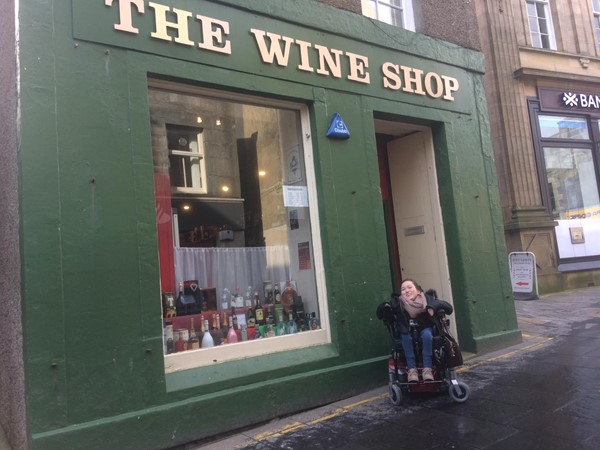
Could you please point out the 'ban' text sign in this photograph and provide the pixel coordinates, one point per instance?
(522, 268)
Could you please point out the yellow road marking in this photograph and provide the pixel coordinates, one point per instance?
(286, 429)
(505, 355)
(297, 425)
(294, 426)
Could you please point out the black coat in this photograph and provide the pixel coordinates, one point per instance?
(440, 307)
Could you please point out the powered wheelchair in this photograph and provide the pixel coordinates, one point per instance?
(446, 355)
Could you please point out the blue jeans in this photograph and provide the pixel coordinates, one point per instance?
(409, 351)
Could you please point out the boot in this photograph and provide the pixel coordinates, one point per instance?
(427, 374)
(413, 376)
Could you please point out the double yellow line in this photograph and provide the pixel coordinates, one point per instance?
(539, 343)
(295, 426)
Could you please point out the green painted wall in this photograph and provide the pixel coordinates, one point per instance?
(93, 339)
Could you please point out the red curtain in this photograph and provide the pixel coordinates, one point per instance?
(164, 221)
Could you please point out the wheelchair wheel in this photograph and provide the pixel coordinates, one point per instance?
(395, 394)
(459, 392)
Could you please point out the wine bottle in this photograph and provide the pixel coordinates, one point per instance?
(250, 317)
(278, 313)
(194, 342)
(258, 311)
(293, 328)
(298, 307)
(277, 293)
(180, 308)
(268, 294)
(287, 296)
(302, 323)
(179, 345)
(235, 319)
(249, 297)
(231, 334)
(239, 300)
(207, 340)
(244, 333)
(169, 337)
(270, 319)
(186, 338)
(224, 328)
(281, 329)
(314, 322)
(225, 300)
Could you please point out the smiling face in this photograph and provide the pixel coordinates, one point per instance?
(409, 290)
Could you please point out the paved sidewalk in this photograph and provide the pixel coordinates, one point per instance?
(543, 393)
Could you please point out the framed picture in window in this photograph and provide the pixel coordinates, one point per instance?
(577, 236)
(294, 166)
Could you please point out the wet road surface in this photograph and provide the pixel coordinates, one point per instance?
(541, 394)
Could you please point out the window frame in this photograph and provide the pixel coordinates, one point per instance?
(539, 144)
(201, 358)
(408, 17)
(565, 146)
(188, 155)
(549, 22)
(596, 18)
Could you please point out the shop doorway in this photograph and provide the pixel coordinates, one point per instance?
(412, 209)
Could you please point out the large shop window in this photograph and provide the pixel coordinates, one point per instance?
(572, 184)
(239, 249)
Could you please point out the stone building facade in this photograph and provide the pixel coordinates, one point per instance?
(542, 75)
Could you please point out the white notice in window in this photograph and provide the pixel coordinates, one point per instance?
(295, 196)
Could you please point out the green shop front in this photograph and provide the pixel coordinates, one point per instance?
(216, 195)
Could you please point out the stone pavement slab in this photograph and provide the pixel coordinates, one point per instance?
(543, 393)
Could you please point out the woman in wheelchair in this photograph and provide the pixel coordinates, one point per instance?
(417, 309)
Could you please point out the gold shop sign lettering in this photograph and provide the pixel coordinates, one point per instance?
(174, 25)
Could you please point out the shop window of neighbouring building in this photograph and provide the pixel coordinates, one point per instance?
(566, 149)
(596, 12)
(541, 28)
(395, 12)
(239, 249)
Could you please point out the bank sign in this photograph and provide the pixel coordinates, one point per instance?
(562, 100)
(202, 31)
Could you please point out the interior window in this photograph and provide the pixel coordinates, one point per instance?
(235, 227)
(394, 12)
(187, 169)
